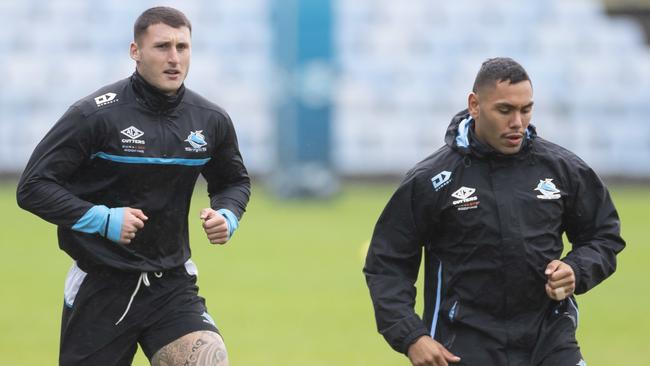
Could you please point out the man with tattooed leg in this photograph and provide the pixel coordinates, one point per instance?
(116, 174)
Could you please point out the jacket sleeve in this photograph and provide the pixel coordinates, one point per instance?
(66, 148)
(42, 186)
(228, 182)
(392, 265)
(593, 228)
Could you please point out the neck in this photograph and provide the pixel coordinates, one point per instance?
(154, 98)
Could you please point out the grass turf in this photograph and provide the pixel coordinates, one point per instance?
(288, 289)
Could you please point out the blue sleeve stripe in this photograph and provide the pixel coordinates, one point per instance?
(150, 160)
(231, 220)
(93, 221)
(115, 224)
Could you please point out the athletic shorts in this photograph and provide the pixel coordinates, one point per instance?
(554, 345)
(107, 313)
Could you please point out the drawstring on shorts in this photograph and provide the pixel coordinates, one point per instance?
(144, 278)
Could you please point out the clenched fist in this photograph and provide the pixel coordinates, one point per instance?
(561, 281)
(132, 222)
(215, 226)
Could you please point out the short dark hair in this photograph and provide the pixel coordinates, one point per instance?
(498, 69)
(159, 14)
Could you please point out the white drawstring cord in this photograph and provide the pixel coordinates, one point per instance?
(143, 278)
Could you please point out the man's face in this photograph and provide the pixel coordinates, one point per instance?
(162, 56)
(502, 113)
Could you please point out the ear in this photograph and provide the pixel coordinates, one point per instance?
(134, 52)
(472, 105)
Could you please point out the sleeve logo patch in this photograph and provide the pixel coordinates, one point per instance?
(441, 179)
(105, 99)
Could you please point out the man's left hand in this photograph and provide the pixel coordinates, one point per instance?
(215, 226)
(561, 281)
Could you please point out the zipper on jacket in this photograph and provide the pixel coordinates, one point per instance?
(163, 136)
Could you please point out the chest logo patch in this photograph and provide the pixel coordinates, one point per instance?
(441, 179)
(547, 189)
(133, 144)
(197, 141)
(465, 199)
(132, 132)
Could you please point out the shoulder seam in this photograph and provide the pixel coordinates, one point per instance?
(99, 109)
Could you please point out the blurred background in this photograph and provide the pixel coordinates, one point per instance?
(338, 99)
(363, 87)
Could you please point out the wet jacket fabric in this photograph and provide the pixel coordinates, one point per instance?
(129, 145)
(488, 225)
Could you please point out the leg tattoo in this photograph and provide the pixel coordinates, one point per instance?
(202, 348)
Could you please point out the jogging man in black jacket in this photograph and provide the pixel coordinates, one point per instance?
(488, 210)
(116, 174)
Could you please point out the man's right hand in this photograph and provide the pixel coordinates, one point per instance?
(133, 221)
(427, 352)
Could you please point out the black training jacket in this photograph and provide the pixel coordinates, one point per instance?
(488, 225)
(129, 145)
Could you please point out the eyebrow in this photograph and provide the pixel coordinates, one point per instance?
(508, 105)
(162, 43)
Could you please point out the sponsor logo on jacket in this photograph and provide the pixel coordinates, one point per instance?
(465, 199)
(133, 143)
(547, 189)
(132, 132)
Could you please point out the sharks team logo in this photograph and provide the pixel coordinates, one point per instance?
(547, 189)
(197, 141)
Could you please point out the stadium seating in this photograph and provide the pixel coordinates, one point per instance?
(403, 71)
(589, 72)
(55, 52)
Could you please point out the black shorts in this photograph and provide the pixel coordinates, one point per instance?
(166, 307)
(554, 344)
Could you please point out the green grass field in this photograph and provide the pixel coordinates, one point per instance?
(288, 289)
